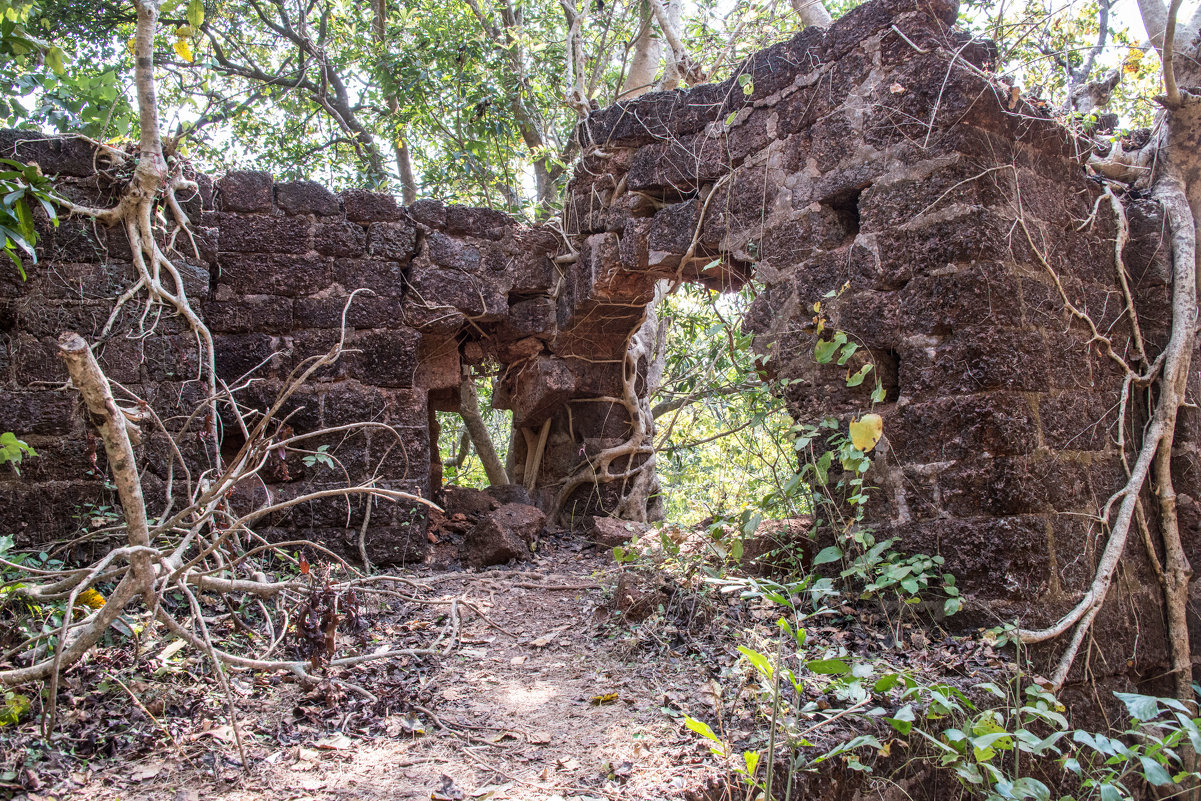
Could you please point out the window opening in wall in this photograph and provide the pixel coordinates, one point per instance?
(723, 437)
(461, 463)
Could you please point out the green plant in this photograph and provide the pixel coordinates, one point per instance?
(995, 750)
(1004, 742)
(834, 462)
(22, 185)
(321, 456)
(13, 451)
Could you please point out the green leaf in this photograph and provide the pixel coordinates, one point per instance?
(1154, 772)
(886, 682)
(195, 13)
(987, 745)
(757, 659)
(951, 606)
(751, 759)
(824, 350)
(18, 240)
(799, 634)
(25, 221)
(831, 553)
(16, 706)
(16, 262)
(702, 728)
(903, 720)
(828, 667)
(1141, 707)
(1026, 787)
(857, 379)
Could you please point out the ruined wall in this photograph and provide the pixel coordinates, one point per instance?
(876, 156)
(879, 160)
(277, 262)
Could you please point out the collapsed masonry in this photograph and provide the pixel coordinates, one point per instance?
(877, 156)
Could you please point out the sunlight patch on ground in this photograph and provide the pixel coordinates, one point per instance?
(518, 697)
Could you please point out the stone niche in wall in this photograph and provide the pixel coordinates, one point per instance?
(875, 159)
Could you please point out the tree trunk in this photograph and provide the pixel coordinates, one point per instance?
(469, 410)
(1178, 187)
(644, 65)
(813, 13)
(404, 164)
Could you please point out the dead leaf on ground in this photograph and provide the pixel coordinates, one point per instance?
(224, 733)
(174, 647)
(306, 754)
(337, 742)
(710, 694)
(540, 737)
(448, 791)
(549, 637)
(141, 774)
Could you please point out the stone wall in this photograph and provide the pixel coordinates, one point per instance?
(876, 160)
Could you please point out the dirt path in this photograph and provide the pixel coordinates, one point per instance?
(548, 698)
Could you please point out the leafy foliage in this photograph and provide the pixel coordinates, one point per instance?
(1051, 49)
(60, 69)
(21, 186)
(13, 450)
(722, 433)
(1001, 741)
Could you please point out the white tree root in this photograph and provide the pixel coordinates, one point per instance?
(639, 445)
(1157, 443)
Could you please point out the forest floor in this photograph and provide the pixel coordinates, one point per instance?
(550, 696)
(545, 686)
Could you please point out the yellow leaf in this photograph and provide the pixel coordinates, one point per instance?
(601, 700)
(54, 60)
(183, 50)
(865, 433)
(90, 598)
(15, 707)
(1132, 61)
